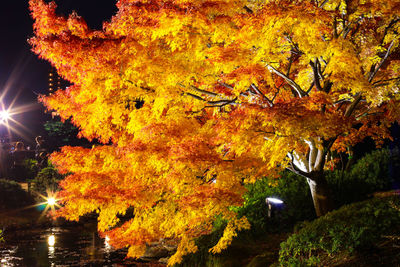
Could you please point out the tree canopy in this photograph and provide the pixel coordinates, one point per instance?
(232, 91)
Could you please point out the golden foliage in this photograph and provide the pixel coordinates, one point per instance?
(232, 91)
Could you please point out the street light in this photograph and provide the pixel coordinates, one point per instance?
(272, 203)
(274, 200)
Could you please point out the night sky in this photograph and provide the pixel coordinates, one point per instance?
(22, 74)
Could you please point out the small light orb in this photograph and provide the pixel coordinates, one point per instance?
(51, 240)
(274, 200)
(51, 201)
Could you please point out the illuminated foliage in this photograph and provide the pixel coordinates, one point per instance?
(232, 91)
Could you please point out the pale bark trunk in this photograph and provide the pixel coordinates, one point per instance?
(320, 193)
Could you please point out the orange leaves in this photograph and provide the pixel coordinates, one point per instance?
(46, 22)
(230, 95)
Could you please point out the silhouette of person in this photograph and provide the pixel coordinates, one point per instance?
(40, 146)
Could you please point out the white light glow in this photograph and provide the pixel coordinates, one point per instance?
(274, 200)
(51, 240)
(51, 201)
(4, 115)
(107, 245)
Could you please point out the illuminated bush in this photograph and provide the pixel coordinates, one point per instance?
(352, 228)
(46, 179)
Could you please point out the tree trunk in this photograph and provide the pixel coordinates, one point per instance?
(320, 193)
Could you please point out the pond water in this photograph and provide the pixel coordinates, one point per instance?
(56, 246)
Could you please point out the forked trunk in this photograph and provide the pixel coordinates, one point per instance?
(320, 193)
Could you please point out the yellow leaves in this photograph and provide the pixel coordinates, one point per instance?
(186, 246)
(305, 77)
(136, 251)
(229, 233)
(180, 160)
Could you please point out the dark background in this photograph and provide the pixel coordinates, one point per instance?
(22, 74)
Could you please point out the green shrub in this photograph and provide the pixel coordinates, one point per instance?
(30, 167)
(372, 173)
(353, 227)
(12, 196)
(47, 179)
(291, 188)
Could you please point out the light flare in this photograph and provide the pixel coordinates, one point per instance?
(51, 240)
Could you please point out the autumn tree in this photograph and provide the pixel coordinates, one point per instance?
(232, 91)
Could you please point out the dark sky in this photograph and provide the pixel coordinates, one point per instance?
(21, 71)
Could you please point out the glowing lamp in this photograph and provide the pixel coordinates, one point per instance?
(273, 203)
(51, 201)
(274, 200)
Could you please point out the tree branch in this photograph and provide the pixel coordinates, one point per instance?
(255, 88)
(212, 94)
(316, 74)
(292, 83)
(375, 70)
(323, 3)
(226, 85)
(196, 97)
(350, 109)
(383, 82)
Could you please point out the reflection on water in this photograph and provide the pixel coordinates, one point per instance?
(60, 247)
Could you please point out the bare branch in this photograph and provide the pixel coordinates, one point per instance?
(255, 88)
(196, 97)
(375, 70)
(220, 103)
(323, 3)
(350, 109)
(292, 83)
(384, 82)
(342, 101)
(316, 74)
(226, 85)
(212, 94)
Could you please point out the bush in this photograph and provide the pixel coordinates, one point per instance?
(12, 196)
(292, 189)
(353, 227)
(374, 172)
(47, 179)
(30, 167)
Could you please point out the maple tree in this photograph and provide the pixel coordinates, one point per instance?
(232, 91)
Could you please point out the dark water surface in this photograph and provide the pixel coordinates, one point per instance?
(57, 246)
